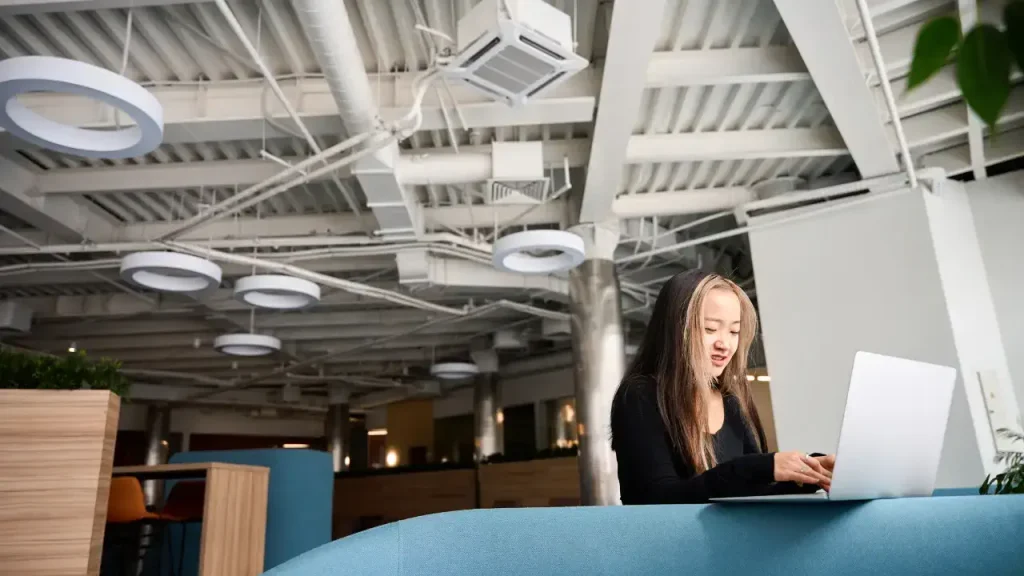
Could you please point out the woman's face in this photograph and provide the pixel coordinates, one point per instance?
(721, 315)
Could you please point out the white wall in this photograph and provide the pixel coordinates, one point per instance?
(998, 208)
(863, 278)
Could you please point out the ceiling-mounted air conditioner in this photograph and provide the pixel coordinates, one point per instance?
(514, 50)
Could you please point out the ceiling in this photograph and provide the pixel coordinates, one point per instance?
(687, 107)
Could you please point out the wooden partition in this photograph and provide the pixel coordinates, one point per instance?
(534, 483)
(56, 455)
(361, 501)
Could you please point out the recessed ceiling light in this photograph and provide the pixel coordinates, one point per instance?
(143, 134)
(171, 272)
(246, 344)
(454, 370)
(512, 252)
(277, 291)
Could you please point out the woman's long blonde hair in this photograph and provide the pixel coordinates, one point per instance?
(672, 354)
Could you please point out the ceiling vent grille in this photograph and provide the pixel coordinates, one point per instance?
(517, 173)
(515, 49)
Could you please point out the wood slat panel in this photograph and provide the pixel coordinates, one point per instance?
(56, 455)
(535, 483)
(401, 496)
(234, 521)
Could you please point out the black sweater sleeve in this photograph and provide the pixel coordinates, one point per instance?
(648, 472)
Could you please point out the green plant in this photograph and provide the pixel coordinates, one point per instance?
(984, 58)
(1011, 480)
(72, 372)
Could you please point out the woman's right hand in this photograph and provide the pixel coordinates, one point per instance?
(802, 469)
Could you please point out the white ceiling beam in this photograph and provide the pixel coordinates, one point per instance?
(676, 202)
(725, 66)
(958, 160)
(949, 122)
(16, 7)
(66, 218)
(220, 111)
(228, 173)
(819, 31)
(735, 145)
(631, 40)
(975, 138)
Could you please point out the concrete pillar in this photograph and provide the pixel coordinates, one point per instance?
(486, 437)
(158, 435)
(901, 275)
(598, 349)
(336, 427)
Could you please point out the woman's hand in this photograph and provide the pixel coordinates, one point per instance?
(827, 462)
(802, 469)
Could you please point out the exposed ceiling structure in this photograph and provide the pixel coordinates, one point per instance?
(687, 109)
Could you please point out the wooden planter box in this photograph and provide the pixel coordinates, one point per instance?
(56, 455)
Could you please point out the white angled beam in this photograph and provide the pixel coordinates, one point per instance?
(228, 173)
(736, 145)
(819, 31)
(219, 111)
(725, 66)
(975, 138)
(67, 218)
(631, 41)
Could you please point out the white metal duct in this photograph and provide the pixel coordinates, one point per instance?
(327, 25)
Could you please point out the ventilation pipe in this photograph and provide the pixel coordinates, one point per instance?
(327, 25)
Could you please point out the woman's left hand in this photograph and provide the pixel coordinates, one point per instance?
(827, 462)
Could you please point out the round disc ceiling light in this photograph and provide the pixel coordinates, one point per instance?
(561, 251)
(454, 370)
(246, 344)
(277, 291)
(170, 272)
(28, 74)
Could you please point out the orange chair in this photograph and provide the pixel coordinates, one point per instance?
(184, 505)
(126, 514)
(127, 504)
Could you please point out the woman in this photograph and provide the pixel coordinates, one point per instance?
(684, 425)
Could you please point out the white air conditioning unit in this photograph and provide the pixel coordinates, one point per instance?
(515, 49)
(517, 170)
(15, 319)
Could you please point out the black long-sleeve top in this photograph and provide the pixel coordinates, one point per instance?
(651, 470)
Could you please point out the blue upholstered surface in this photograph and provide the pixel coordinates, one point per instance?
(299, 503)
(949, 535)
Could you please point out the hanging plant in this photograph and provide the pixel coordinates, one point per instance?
(72, 372)
(984, 58)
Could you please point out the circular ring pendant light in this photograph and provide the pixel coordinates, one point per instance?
(277, 291)
(246, 344)
(454, 370)
(511, 253)
(48, 74)
(171, 272)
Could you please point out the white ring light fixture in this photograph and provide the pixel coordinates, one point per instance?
(246, 344)
(510, 252)
(171, 272)
(277, 291)
(454, 370)
(47, 74)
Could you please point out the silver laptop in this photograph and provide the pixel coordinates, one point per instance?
(892, 431)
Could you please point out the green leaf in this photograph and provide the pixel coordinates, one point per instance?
(1014, 16)
(983, 71)
(935, 42)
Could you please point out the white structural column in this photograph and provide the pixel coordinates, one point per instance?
(631, 41)
(337, 430)
(820, 33)
(914, 287)
(599, 360)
